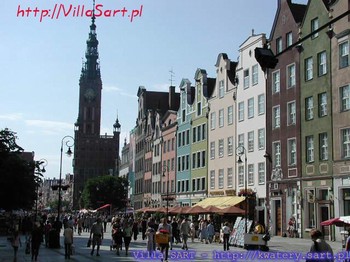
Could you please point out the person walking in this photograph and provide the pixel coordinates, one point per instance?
(319, 245)
(97, 235)
(127, 233)
(210, 232)
(150, 234)
(36, 239)
(68, 240)
(135, 229)
(117, 235)
(16, 242)
(193, 231)
(226, 232)
(164, 228)
(184, 232)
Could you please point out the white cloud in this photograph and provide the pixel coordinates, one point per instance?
(118, 90)
(49, 127)
(12, 117)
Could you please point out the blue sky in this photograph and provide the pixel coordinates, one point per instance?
(41, 61)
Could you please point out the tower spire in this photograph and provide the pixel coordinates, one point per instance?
(91, 68)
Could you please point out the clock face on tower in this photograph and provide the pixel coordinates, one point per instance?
(90, 94)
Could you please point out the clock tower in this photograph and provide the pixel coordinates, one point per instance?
(94, 154)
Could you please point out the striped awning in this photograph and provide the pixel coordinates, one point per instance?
(221, 202)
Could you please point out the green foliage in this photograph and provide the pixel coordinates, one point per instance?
(105, 190)
(18, 178)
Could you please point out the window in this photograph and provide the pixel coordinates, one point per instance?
(344, 54)
(212, 150)
(187, 162)
(279, 45)
(308, 69)
(229, 177)
(261, 104)
(240, 111)
(251, 107)
(199, 108)
(314, 27)
(212, 120)
(204, 131)
(275, 82)
(183, 115)
(250, 174)
(221, 147)
(291, 113)
(311, 218)
(203, 183)
(276, 120)
(345, 98)
(240, 175)
(230, 145)
(323, 146)
(292, 152)
(309, 149)
(221, 178)
(322, 101)
(322, 63)
(221, 117)
(246, 78)
(221, 88)
(212, 179)
(276, 154)
(255, 74)
(345, 143)
(203, 158)
(251, 141)
(240, 140)
(199, 136)
(194, 135)
(309, 108)
(261, 138)
(187, 137)
(261, 173)
(289, 39)
(198, 164)
(193, 160)
(230, 115)
(193, 184)
(198, 184)
(291, 76)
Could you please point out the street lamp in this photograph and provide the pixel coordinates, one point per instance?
(166, 169)
(240, 151)
(40, 168)
(69, 141)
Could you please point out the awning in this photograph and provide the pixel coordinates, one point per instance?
(221, 202)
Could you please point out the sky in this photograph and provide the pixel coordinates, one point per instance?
(42, 59)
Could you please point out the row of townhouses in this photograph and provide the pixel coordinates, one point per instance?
(276, 122)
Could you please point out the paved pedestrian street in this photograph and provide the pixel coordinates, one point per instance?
(281, 249)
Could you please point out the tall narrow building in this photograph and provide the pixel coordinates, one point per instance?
(94, 154)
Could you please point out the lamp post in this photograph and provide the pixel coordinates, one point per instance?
(40, 168)
(240, 151)
(166, 169)
(69, 141)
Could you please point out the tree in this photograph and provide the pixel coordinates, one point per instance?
(18, 178)
(105, 190)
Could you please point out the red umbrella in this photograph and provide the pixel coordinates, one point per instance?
(232, 210)
(178, 210)
(212, 209)
(197, 210)
(333, 221)
(102, 207)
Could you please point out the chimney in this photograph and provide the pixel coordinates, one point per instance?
(171, 97)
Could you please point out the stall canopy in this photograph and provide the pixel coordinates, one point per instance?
(102, 207)
(221, 202)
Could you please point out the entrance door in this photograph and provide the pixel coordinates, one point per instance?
(324, 215)
(278, 218)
